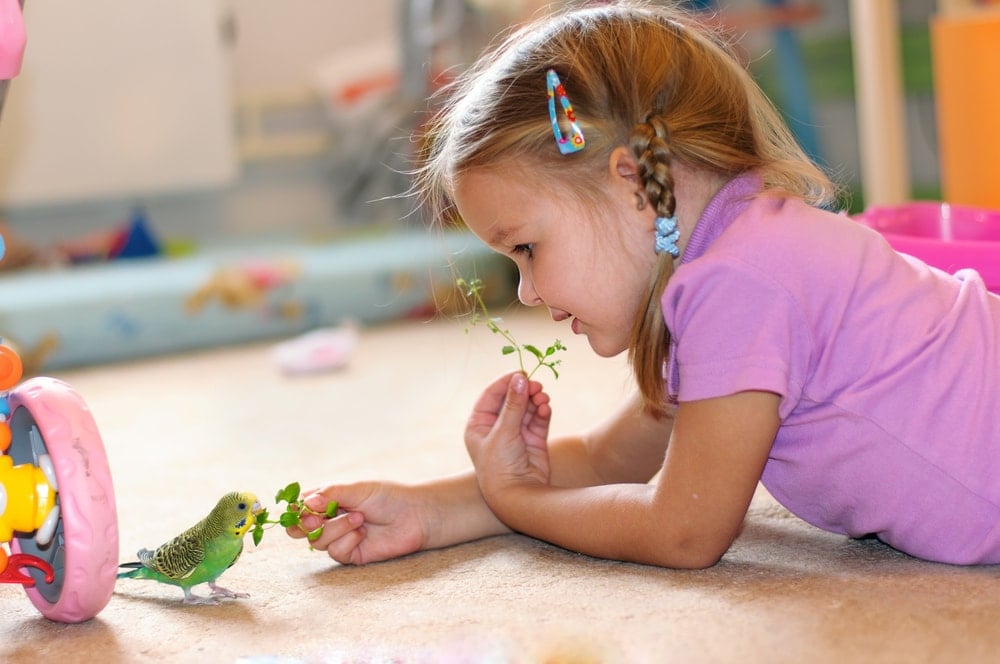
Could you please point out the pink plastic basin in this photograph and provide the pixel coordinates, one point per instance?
(950, 237)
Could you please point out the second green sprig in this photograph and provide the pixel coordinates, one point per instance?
(473, 290)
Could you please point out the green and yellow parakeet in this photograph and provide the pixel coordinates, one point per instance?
(203, 552)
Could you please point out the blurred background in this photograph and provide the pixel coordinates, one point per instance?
(226, 119)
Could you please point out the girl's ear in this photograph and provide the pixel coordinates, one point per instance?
(622, 164)
(623, 171)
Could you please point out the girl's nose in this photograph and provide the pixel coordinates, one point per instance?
(526, 291)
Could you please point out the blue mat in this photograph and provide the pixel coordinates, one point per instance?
(138, 307)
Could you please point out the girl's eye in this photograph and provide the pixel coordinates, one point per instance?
(524, 249)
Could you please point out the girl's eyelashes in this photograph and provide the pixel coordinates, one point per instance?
(526, 249)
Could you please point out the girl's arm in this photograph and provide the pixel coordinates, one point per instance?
(716, 455)
(381, 520)
(626, 448)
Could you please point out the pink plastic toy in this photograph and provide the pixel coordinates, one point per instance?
(12, 39)
(57, 505)
(949, 237)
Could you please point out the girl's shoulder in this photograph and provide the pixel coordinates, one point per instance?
(782, 234)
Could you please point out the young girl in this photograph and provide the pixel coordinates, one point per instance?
(652, 199)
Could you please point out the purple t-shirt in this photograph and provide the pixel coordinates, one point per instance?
(888, 370)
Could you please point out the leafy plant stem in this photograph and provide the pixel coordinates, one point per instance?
(473, 289)
(292, 515)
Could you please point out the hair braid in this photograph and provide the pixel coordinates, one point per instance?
(651, 147)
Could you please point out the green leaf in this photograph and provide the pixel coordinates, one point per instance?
(533, 350)
(258, 534)
(262, 517)
(331, 509)
(289, 519)
(313, 535)
(507, 350)
(289, 494)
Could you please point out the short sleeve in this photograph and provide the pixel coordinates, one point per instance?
(734, 329)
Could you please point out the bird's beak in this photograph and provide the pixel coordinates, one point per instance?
(257, 508)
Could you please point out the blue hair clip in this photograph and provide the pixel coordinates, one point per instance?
(667, 236)
(575, 141)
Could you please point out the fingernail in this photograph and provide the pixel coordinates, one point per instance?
(520, 384)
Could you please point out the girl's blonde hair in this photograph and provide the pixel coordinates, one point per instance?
(638, 75)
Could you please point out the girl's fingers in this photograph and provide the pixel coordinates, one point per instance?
(333, 529)
(345, 549)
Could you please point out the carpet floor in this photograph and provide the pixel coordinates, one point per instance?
(180, 431)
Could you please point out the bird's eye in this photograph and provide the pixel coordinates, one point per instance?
(241, 506)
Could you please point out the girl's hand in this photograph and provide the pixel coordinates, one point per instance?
(507, 435)
(376, 521)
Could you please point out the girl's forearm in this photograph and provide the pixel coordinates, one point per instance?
(616, 522)
(457, 512)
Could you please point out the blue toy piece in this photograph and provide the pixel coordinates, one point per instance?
(137, 240)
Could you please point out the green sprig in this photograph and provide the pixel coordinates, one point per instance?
(292, 514)
(473, 290)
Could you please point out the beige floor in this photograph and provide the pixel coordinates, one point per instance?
(180, 431)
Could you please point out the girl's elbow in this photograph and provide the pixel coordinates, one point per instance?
(699, 557)
(696, 551)
(702, 560)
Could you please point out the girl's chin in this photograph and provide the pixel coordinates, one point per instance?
(605, 349)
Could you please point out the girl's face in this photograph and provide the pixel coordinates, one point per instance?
(592, 268)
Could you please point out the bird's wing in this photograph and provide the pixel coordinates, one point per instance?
(179, 557)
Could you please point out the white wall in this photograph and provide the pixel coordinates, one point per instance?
(117, 97)
(279, 43)
(132, 98)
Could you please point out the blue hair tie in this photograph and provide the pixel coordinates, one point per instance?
(667, 236)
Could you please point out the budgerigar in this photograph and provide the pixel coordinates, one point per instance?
(203, 552)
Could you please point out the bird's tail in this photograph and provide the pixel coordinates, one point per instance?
(134, 570)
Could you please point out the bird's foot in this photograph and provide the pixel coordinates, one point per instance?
(219, 591)
(191, 598)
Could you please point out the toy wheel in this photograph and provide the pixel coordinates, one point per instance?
(49, 418)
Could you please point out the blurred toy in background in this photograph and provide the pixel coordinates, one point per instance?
(324, 349)
(202, 552)
(255, 285)
(12, 42)
(134, 239)
(19, 253)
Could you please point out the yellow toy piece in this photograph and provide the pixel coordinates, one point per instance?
(26, 498)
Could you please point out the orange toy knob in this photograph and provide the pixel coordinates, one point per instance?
(11, 368)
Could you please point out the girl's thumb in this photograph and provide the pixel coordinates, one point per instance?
(514, 404)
